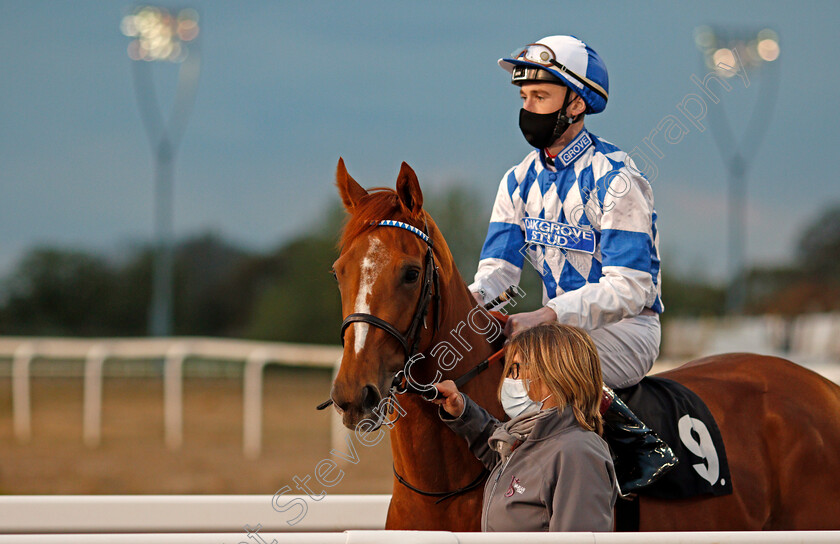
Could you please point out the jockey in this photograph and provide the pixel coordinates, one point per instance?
(581, 213)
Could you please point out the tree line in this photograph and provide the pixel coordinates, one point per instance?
(288, 294)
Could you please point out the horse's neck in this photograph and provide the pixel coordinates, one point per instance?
(425, 451)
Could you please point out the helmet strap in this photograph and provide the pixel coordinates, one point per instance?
(563, 120)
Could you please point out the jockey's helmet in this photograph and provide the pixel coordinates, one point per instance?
(564, 60)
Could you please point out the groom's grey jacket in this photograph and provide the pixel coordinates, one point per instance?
(561, 478)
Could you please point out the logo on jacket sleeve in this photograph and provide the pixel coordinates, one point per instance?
(552, 233)
(514, 487)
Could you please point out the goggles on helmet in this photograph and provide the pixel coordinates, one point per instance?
(542, 55)
(536, 53)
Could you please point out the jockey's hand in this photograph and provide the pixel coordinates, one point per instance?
(478, 298)
(451, 399)
(520, 322)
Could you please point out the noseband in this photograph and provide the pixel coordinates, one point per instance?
(430, 293)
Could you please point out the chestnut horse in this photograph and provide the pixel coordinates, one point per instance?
(780, 422)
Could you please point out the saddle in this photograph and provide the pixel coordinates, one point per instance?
(683, 421)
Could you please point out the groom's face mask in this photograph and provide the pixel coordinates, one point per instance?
(515, 399)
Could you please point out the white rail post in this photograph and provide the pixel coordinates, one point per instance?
(21, 412)
(92, 418)
(252, 403)
(173, 395)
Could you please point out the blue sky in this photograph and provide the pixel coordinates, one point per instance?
(288, 87)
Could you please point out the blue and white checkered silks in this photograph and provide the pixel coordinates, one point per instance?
(391, 223)
(581, 59)
(589, 227)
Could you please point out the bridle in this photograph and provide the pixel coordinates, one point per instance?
(429, 294)
(400, 384)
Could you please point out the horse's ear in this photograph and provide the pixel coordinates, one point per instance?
(408, 189)
(350, 191)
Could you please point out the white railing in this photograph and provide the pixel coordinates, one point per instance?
(187, 513)
(217, 519)
(174, 351)
(256, 355)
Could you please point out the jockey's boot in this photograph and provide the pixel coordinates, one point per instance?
(641, 457)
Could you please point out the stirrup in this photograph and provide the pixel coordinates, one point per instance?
(641, 457)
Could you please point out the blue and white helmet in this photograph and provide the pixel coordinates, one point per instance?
(563, 58)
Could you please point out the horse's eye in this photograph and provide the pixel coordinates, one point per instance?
(412, 275)
(332, 271)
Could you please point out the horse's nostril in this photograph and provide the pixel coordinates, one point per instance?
(370, 397)
(342, 406)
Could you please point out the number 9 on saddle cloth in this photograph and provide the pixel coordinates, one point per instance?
(682, 420)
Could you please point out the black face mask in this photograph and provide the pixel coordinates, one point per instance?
(542, 129)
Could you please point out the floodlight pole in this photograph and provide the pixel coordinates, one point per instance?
(164, 137)
(736, 156)
(164, 143)
(736, 169)
(160, 312)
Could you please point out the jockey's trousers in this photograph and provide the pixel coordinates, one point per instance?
(627, 349)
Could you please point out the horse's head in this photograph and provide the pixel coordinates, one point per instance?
(380, 272)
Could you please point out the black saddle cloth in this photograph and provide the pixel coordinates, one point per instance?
(683, 421)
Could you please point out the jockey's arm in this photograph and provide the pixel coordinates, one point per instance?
(500, 264)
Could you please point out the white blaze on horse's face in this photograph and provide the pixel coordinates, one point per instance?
(371, 266)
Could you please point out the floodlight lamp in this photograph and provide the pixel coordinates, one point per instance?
(158, 35)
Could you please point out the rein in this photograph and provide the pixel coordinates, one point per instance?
(431, 393)
(444, 494)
